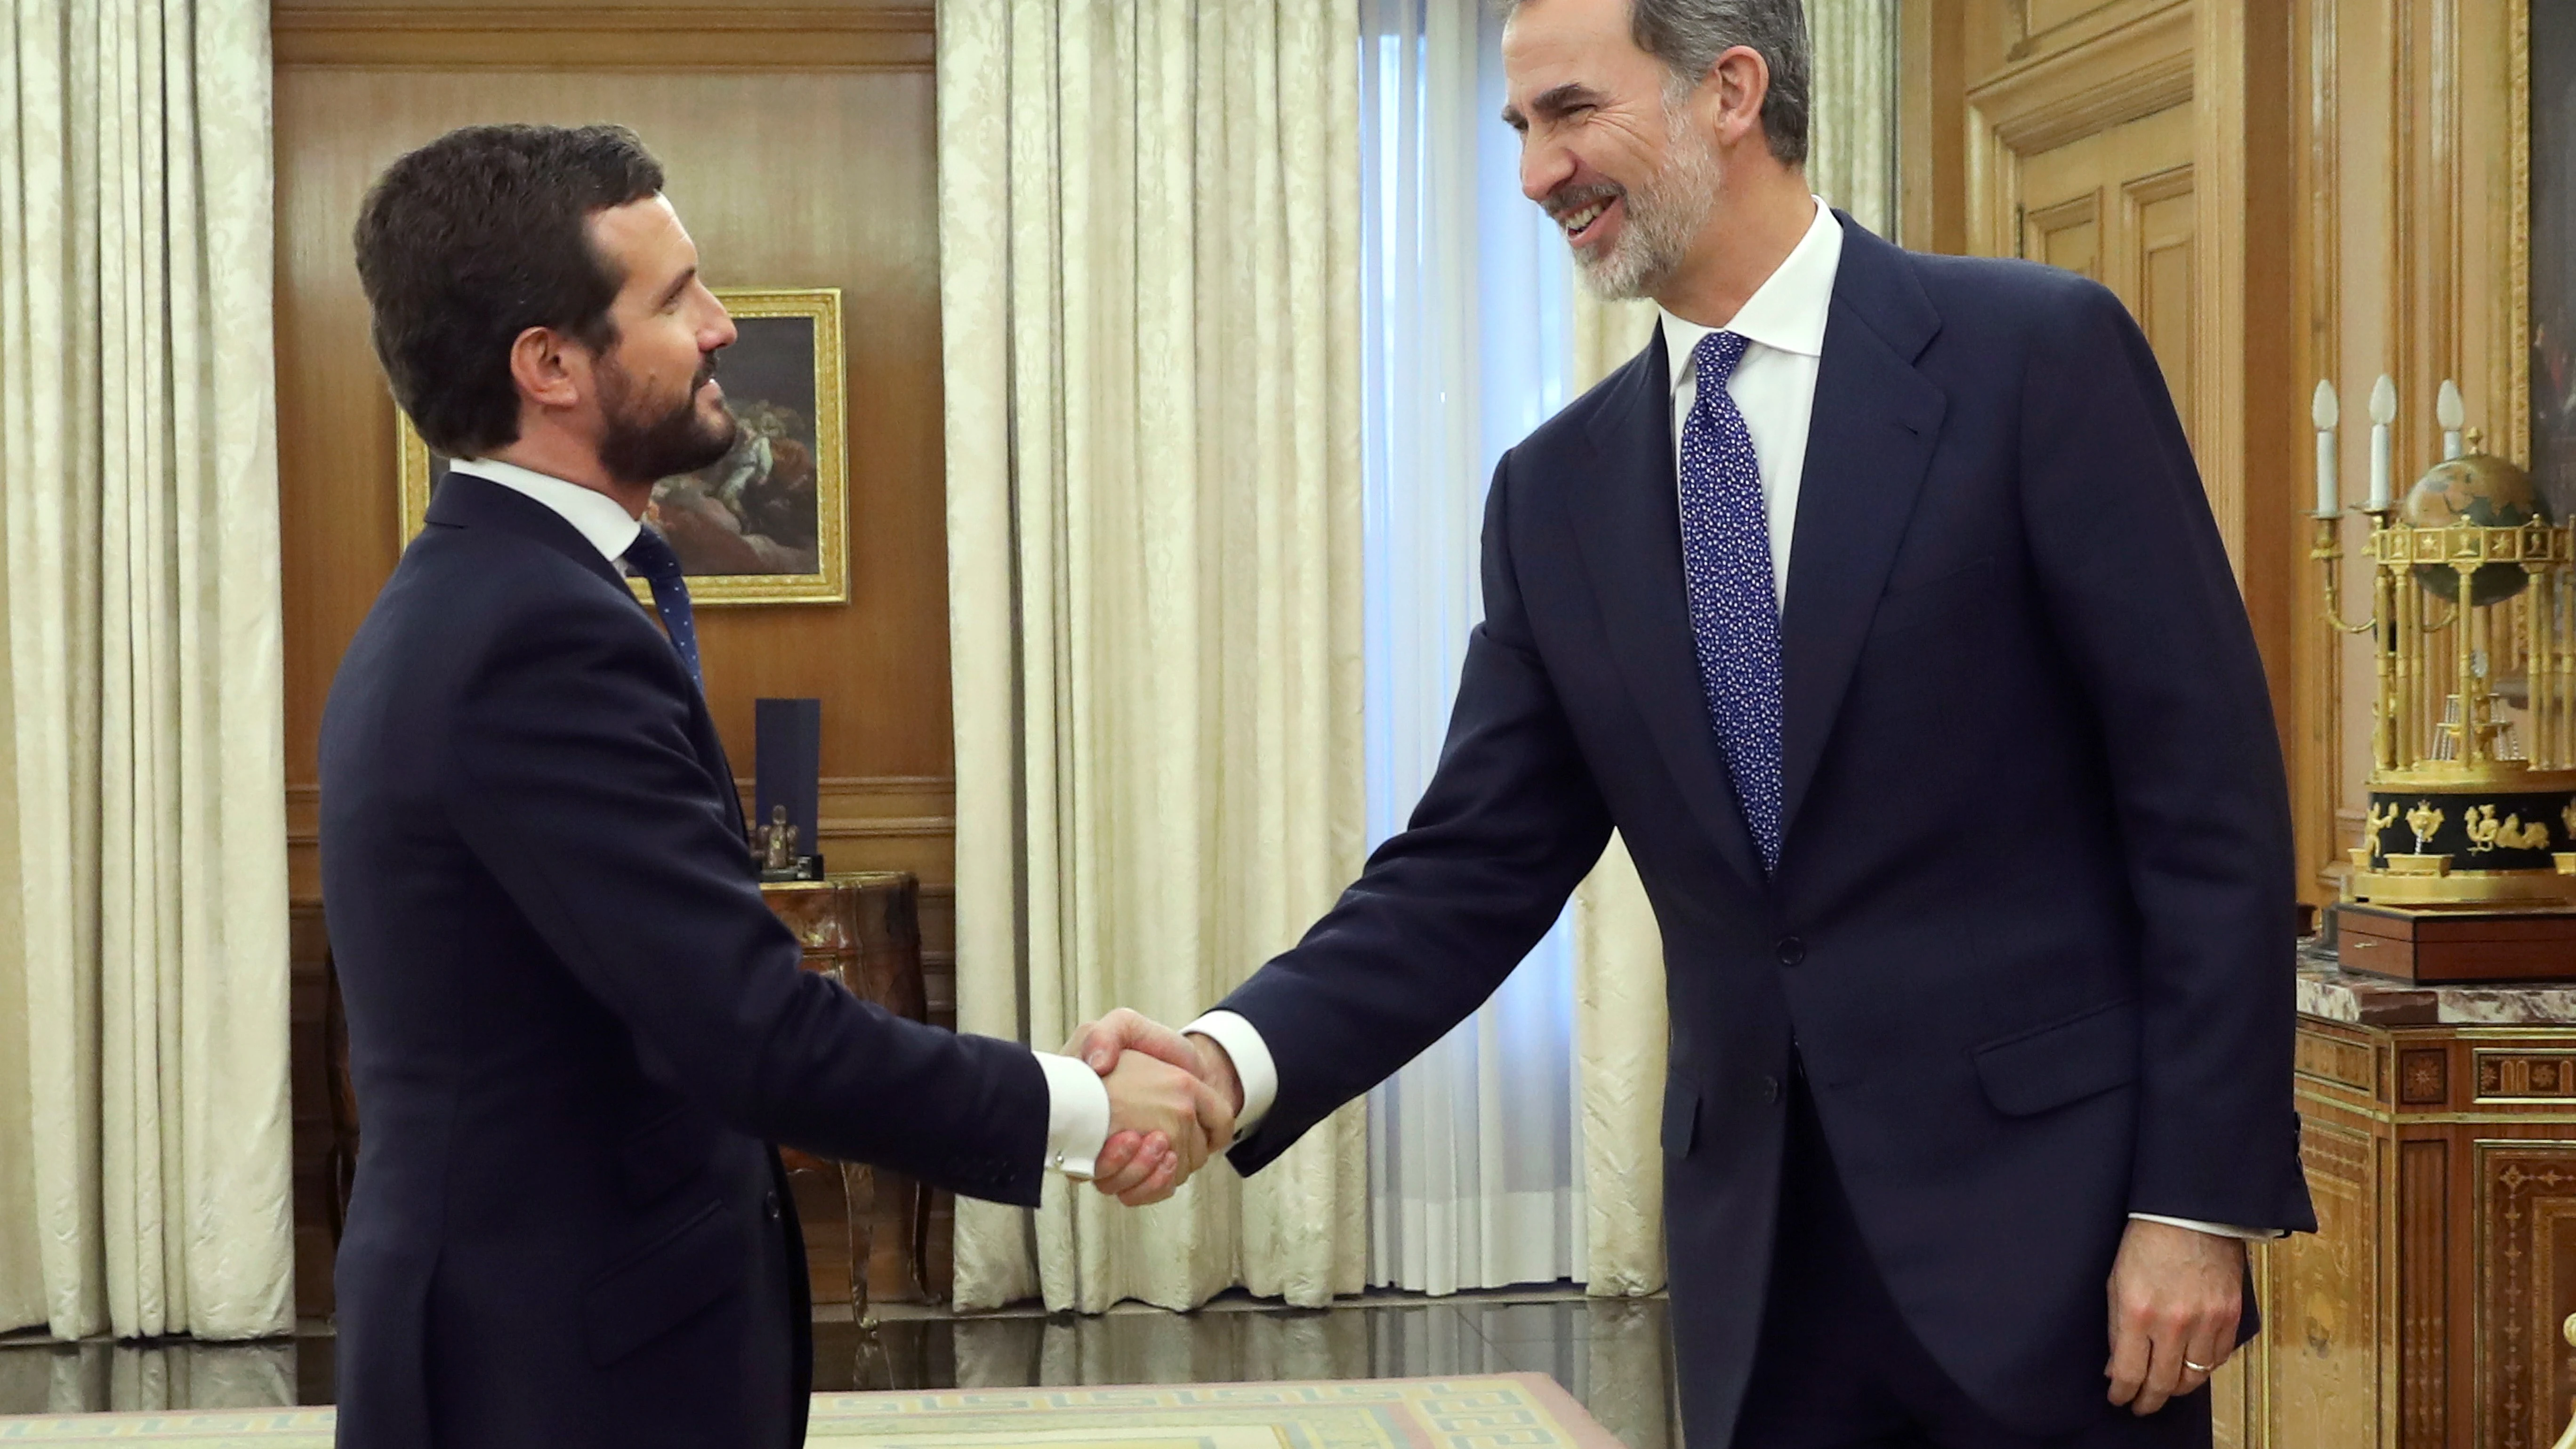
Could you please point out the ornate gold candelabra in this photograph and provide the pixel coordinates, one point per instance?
(2473, 735)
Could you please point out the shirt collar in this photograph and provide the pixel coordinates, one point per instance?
(593, 514)
(1786, 313)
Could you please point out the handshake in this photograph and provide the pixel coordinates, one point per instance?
(1172, 1103)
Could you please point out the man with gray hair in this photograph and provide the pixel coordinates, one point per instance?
(1878, 606)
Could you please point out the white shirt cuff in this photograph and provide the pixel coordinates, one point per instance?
(1252, 1065)
(1077, 1114)
(2220, 1230)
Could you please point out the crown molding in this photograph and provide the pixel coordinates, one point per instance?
(621, 38)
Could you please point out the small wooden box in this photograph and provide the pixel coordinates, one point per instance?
(2457, 947)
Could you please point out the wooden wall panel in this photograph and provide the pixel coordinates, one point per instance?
(2314, 711)
(860, 214)
(2411, 225)
(800, 145)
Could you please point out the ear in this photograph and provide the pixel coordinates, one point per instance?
(1738, 82)
(550, 373)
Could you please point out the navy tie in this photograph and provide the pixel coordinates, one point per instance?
(1735, 615)
(651, 556)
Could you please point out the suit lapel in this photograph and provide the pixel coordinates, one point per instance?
(1627, 515)
(1870, 440)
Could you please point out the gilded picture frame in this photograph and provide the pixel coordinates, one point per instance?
(768, 523)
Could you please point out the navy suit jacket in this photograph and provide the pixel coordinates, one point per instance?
(574, 1027)
(2031, 926)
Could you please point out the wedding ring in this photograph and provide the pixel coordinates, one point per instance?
(2200, 1368)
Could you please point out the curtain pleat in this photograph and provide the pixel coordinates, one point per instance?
(144, 1147)
(1149, 279)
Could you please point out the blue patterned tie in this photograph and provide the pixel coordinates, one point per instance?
(651, 556)
(1735, 616)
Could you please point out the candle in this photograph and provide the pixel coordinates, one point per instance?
(2324, 411)
(2452, 415)
(2383, 411)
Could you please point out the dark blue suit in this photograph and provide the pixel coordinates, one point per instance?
(575, 1027)
(2030, 933)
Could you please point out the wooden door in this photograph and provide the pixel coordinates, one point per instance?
(2081, 154)
(2118, 206)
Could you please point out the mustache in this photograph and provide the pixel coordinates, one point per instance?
(706, 374)
(1570, 198)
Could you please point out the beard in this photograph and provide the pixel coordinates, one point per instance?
(642, 444)
(1664, 215)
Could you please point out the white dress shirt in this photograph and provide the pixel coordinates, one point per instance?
(1774, 387)
(1077, 1102)
(1774, 383)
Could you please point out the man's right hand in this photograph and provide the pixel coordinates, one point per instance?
(1154, 1104)
(1138, 1167)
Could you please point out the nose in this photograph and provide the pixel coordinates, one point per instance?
(721, 334)
(1544, 168)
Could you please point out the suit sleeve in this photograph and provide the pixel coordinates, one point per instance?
(571, 776)
(1505, 830)
(2139, 590)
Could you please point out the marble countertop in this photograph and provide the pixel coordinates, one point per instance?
(2327, 990)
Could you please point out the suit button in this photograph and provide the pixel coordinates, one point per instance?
(1792, 950)
(1769, 1091)
(769, 1205)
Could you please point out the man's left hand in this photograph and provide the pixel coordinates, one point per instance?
(2176, 1294)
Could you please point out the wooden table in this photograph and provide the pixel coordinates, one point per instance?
(2438, 1129)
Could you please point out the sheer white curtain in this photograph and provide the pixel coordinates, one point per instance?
(1475, 1149)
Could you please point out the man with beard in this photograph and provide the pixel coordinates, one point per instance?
(1878, 606)
(573, 1025)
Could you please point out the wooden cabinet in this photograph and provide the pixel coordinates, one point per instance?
(863, 931)
(2438, 1127)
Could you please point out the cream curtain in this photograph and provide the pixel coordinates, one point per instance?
(1149, 233)
(143, 1116)
(99, 1378)
(1851, 137)
(1618, 951)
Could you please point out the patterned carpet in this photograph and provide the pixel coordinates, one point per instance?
(1525, 1410)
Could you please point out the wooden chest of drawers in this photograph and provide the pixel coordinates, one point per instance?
(2438, 1128)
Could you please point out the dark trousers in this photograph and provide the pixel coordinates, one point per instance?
(1838, 1368)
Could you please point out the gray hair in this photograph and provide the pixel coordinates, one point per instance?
(1689, 35)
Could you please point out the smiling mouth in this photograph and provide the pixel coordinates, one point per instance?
(1580, 223)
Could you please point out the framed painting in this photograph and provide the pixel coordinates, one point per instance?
(766, 523)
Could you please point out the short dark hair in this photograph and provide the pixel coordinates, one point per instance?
(477, 237)
(1689, 35)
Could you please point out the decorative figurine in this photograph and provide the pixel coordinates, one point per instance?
(778, 842)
